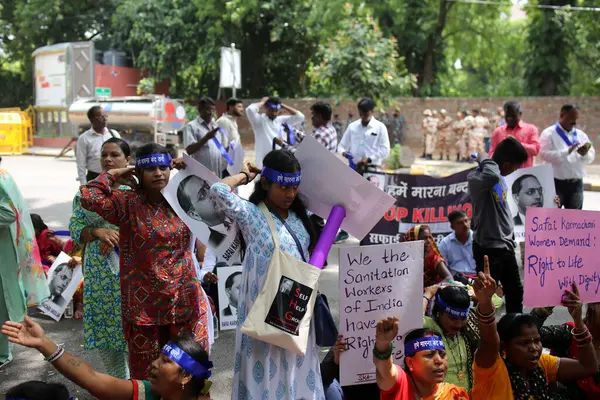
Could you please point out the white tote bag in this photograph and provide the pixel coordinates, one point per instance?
(284, 307)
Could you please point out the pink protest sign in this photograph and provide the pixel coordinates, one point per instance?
(561, 247)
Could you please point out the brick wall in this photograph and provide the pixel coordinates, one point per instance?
(541, 111)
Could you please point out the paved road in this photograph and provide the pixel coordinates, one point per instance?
(49, 186)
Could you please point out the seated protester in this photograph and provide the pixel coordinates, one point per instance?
(457, 247)
(37, 390)
(180, 372)
(509, 363)
(426, 365)
(50, 244)
(453, 318)
(561, 341)
(492, 220)
(435, 269)
(330, 373)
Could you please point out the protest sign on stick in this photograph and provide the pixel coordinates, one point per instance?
(377, 282)
(561, 248)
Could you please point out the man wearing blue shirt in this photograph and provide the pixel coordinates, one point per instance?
(457, 247)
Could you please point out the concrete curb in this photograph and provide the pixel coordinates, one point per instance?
(47, 153)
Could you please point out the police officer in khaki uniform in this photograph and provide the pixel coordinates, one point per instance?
(444, 134)
(429, 131)
(460, 136)
(477, 133)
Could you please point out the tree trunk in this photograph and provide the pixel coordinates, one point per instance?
(427, 76)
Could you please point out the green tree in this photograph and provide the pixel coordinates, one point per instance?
(419, 26)
(584, 50)
(484, 57)
(359, 61)
(27, 25)
(547, 62)
(276, 38)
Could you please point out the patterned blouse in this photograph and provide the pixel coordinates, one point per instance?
(158, 279)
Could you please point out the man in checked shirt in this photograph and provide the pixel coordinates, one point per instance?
(324, 132)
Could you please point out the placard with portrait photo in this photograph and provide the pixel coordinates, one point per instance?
(230, 280)
(62, 283)
(529, 187)
(188, 192)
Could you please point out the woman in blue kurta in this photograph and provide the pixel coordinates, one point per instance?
(264, 371)
(102, 325)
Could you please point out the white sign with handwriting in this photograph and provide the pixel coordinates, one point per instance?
(377, 282)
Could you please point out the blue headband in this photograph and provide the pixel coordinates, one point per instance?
(281, 178)
(461, 313)
(273, 106)
(350, 161)
(422, 344)
(153, 160)
(186, 362)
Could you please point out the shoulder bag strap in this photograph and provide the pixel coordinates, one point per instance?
(298, 245)
(271, 223)
(291, 233)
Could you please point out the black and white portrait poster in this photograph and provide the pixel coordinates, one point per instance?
(529, 187)
(230, 279)
(188, 192)
(62, 282)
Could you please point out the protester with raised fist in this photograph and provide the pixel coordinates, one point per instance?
(426, 365)
(510, 364)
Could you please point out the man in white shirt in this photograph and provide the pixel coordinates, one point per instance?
(89, 145)
(203, 141)
(269, 125)
(228, 121)
(568, 150)
(366, 140)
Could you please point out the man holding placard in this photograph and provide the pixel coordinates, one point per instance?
(569, 150)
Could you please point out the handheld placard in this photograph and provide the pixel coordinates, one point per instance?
(319, 254)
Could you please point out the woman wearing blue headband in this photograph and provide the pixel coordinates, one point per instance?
(180, 372)
(426, 365)
(263, 370)
(451, 316)
(102, 321)
(510, 363)
(160, 292)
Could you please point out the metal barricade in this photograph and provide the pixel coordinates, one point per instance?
(16, 131)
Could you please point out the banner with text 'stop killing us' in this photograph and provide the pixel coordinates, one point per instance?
(420, 199)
